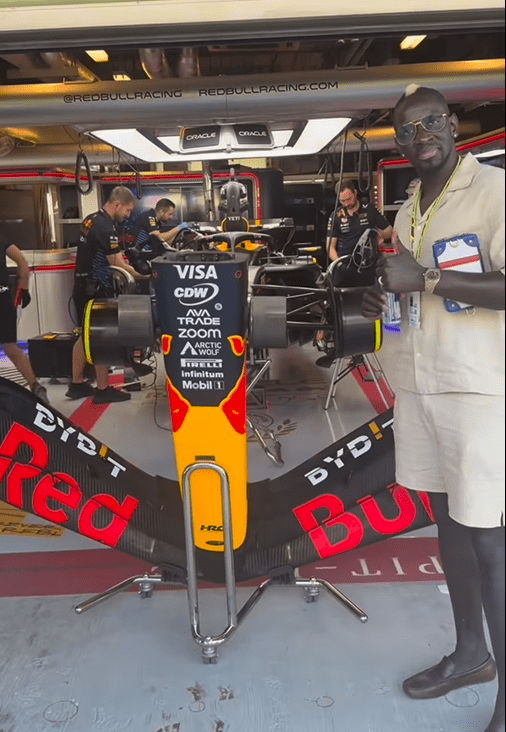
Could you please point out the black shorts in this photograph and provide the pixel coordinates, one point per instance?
(83, 293)
(8, 319)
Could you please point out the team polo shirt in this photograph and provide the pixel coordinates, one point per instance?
(147, 223)
(461, 351)
(98, 240)
(348, 229)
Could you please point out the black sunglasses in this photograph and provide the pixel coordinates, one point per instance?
(431, 123)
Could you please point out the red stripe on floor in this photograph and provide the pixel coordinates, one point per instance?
(371, 392)
(88, 414)
(93, 571)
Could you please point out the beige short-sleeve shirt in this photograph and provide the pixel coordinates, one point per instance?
(456, 352)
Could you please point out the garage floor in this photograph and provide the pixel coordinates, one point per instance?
(131, 664)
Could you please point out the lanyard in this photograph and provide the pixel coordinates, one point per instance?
(433, 209)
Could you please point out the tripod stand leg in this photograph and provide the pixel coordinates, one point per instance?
(333, 382)
(313, 587)
(376, 382)
(145, 582)
(380, 369)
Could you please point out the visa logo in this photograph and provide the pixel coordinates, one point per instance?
(197, 271)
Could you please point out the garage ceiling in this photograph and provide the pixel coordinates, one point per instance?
(30, 71)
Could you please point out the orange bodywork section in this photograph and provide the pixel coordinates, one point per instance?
(213, 434)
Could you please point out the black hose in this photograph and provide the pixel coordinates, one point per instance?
(138, 183)
(364, 160)
(82, 160)
(337, 203)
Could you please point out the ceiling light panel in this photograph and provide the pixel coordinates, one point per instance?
(133, 143)
(99, 57)
(411, 42)
(317, 134)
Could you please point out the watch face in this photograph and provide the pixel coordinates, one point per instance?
(432, 274)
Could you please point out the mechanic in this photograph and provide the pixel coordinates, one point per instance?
(97, 251)
(148, 236)
(8, 314)
(351, 222)
(449, 379)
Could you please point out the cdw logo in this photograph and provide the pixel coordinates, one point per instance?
(57, 497)
(189, 296)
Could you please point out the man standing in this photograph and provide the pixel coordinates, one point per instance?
(148, 236)
(97, 251)
(449, 412)
(353, 237)
(8, 316)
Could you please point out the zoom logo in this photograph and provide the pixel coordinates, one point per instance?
(198, 295)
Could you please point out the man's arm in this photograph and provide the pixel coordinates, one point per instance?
(386, 233)
(483, 290)
(380, 223)
(169, 236)
(333, 249)
(116, 260)
(23, 270)
(402, 273)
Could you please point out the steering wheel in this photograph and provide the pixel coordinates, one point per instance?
(189, 239)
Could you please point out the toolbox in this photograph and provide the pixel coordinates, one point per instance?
(51, 354)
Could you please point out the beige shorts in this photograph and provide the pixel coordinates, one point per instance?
(454, 444)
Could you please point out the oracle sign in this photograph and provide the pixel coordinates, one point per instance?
(256, 135)
(198, 138)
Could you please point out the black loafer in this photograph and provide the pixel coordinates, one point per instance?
(441, 679)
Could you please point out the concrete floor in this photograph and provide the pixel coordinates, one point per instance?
(131, 665)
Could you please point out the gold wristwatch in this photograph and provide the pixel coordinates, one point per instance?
(431, 278)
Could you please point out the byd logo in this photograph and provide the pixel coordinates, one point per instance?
(57, 497)
(309, 516)
(190, 296)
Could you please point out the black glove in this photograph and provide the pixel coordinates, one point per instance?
(25, 299)
(137, 261)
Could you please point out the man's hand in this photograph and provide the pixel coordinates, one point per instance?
(25, 299)
(400, 272)
(374, 304)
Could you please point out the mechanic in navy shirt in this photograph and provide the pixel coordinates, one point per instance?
(148, 236)
(350, 224)
(8, 314)
(99, 250)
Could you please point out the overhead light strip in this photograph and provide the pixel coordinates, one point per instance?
(411, 42)
(99, 57)
(490, 153)
(316, 135)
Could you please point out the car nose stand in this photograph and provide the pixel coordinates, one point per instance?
(285, 576)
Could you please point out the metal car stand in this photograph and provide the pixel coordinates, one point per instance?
(371, 363)
(209, 645)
